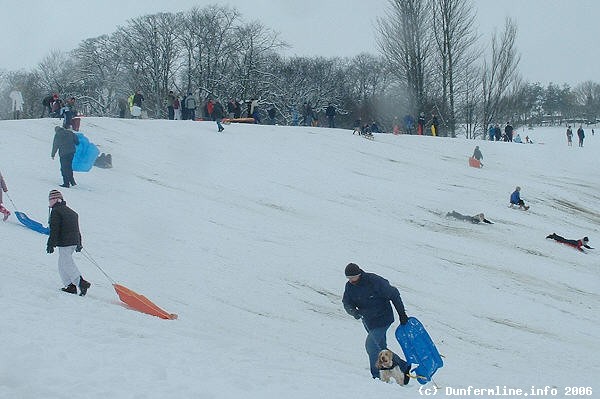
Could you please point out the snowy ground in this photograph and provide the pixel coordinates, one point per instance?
(245, 235)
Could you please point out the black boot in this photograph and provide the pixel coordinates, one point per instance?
(83, 286)
(71, 289)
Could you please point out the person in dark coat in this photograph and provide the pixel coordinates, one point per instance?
(68, 112)
(508, 132)
(421, 123)
(478, 155)
(218, 114)
(367, 297)
(138, 99)
(65, 142)
(476, 219)
(577, 244)
(64, 234)
(581, 135)
(497, 132)
(47, 105)
(330, 113)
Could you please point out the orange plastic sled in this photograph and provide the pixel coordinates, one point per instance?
(238, 120)
(474, 163)
(141, 303)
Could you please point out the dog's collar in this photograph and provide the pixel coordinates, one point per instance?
(394, 364)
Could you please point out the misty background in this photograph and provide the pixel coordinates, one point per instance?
(345, 53)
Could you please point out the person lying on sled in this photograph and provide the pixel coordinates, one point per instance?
(577, 244)
(479, 218)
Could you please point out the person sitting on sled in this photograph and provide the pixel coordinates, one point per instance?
(3, 187)
(577, 244)
(515, 199)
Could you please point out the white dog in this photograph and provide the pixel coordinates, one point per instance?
(388, 369)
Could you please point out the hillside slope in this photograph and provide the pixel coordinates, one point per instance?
(246, 234)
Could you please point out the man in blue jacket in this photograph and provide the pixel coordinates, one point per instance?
(367, 297)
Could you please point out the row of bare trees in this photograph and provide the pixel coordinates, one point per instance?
(431, 61)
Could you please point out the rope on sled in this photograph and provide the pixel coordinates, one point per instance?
(87, 255)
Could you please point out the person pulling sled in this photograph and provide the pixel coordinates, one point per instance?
(64, 234)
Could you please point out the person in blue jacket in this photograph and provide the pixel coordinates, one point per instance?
(367, 297)
(515, 199)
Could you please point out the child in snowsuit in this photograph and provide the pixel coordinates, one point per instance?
(577, 244)
(515, 199)
(3, 188)
(64, 234)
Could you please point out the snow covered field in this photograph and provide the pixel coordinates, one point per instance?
(245, 235)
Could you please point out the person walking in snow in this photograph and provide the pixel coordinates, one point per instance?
(218, 114)
(65, 142)
(367, 297)
(577, 244)
(65, 234)
(3, 188)
(515, 199)
(569, 136)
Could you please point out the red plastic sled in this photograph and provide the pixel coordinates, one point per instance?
(141, 303)
(474, 163)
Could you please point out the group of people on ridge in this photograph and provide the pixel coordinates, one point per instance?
(580, 135)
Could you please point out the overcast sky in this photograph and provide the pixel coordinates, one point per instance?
(557, 39)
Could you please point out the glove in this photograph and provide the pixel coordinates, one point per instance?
(49, 249)
(78, 248)
(403, 318)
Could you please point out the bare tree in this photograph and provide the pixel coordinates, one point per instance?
(101, 67)
(455, 38)
(151, 49)
(405, 41)
(56, 73)
(499, 72)
(251, 68)
(587, 97)
(368, 80)
(210, 44)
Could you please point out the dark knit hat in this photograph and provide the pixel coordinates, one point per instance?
(585, 239)
(54, 194)
(352, 269)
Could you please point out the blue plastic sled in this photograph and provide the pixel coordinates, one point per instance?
(419, 348)
(86, 153)
(32, 224)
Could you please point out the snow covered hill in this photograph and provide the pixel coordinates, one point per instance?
(245, 235)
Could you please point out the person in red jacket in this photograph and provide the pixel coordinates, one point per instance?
(577, 244)
(64, 234)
